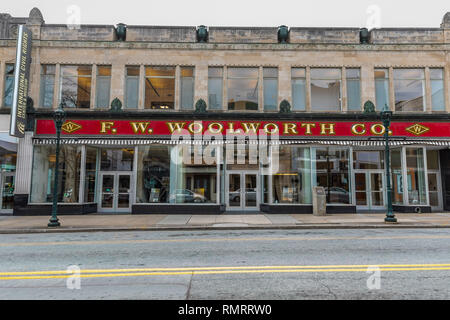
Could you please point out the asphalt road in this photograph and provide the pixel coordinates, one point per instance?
(262, 264)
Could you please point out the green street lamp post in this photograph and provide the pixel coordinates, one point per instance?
(58, 117)
(386, 116)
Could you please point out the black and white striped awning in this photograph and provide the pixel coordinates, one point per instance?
(337, 142)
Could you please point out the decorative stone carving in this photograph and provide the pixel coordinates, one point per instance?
(202, 34)
(116, 105)
(364, 36)
(200, 106)
(121, 32)
(283, 34)
(369, 107)
(35, 17)
(285, 107)
(446, 21)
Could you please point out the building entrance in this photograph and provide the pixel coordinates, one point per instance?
(242, 191)
(369, 190)
(115, 192)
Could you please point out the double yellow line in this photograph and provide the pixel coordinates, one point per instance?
(137, 272)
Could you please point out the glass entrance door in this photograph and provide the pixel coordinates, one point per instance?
(369, 189)
(115, 192)
(242, 190)
(7, 192)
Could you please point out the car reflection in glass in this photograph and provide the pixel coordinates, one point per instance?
(187, 196)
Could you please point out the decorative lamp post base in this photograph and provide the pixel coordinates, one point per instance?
(390, 220)
(54, 222)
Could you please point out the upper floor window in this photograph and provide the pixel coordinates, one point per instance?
(187, 88)
(47, 86)
(381, 88)
(9, 85)
(75, 86)
(215, 88)
(103, 86)
(353, 89)
(270, 88)
(409, 88)
(298, 84)
(326, 89)
(132, 87)
(242, 88)
(159, 88)
(437, 89)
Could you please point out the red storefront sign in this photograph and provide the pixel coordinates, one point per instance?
(283, 128)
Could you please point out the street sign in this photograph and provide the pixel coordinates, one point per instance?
(21, 82)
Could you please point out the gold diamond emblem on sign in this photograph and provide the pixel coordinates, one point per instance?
(417, 129)
(70, 127)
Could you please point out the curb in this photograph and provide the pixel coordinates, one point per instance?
(224, 227)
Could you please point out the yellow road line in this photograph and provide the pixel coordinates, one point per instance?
(53, 272)
(215, 270)
(105, 275)
(50, 243)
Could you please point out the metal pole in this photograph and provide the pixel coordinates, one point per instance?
(59, 116)
(390, 217)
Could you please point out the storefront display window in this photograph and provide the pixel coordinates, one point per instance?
(332, 173)
(153, 174)
(90, 174)
(193, 179)
(292, 183)
(44, 169)
(116, 159)
(415, 173)
(397, 177)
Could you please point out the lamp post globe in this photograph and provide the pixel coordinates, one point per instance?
(59, 117)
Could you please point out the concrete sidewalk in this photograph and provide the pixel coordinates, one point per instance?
(127, 222)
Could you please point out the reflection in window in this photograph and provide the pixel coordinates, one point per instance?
(270, 83)
(298, 83)
(292, 182)
(75, 86)
(90, 174)
(103, 86)
(242, 88)
(116, 159)
(132, 87)
(47, 86)
(187, 88)
(397, 177)
(7, 160)
(353, 89)
(215, 84)
(159, 88)
(153, 174)
(415, 173)
(381, 88)
(43, 171)
(171, 175)
(437, 89)
(368, 159)
(332, 173)
(9, 85)
(409, 88)
(325, 89)
(192, 179)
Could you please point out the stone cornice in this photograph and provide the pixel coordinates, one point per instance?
(233, 46)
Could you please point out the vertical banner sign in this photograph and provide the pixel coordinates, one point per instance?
(21, 83)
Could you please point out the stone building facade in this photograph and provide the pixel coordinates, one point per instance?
(308, 85)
